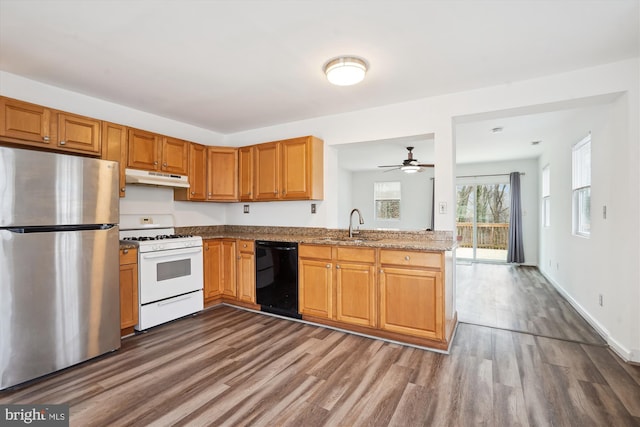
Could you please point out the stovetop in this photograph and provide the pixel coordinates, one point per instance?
(158, 237)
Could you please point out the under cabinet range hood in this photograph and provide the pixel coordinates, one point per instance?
(135, 176)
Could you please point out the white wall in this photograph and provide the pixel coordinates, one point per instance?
(604, 264)
(529, 195)
(415, 199)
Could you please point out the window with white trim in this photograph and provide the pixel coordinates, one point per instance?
(386, 196)
(581, 186)
(546, 196)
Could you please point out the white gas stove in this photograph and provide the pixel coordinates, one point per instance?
(170, 269)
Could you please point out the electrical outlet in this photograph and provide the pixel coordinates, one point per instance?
(146, 220)
(600, 300)
(313, 208)
(246, 209)
(604, 212)
(442, 207)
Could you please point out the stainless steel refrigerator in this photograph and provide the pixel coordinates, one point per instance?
(59, 269)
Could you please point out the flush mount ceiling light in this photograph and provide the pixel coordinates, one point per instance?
(498, 129)
(345, 70)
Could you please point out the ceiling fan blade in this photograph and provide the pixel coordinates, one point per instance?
(390, 166)
(426, 165)
(389, 170)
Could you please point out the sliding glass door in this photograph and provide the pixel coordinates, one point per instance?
(482, 216)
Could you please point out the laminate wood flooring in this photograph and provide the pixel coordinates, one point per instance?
(518, 298)
(228, 367)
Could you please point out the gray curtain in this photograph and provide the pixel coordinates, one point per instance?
(516, 250)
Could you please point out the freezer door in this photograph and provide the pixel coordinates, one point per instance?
(60, 300)
(40, 188)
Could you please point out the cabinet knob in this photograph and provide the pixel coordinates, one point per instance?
(123, 189)
(45, 138)
(164, 164)
(275, 192)
(193, 193)
(328, 265)
(239, 257)
(125, 251)
(210, 194)
(244, 245)
(155, 163)
(63, 142)
(338, 267)
(407, 258)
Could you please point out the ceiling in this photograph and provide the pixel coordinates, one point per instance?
(230, 66)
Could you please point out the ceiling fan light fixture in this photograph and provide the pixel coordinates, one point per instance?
(345, 70)
(410, 169)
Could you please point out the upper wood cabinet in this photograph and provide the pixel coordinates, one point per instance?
(149, 151)
(35, 125)
(302, 168)
(197, 190)
(114, 147)
(291, 169)
(222, 174)
(245, 173)
(25, 122)
(79, 134)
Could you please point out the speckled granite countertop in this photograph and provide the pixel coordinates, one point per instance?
(413, 240)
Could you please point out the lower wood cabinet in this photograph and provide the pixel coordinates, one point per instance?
(219, 269)
(386, 292)
(128, 290)
(246, 271)
(337, 283)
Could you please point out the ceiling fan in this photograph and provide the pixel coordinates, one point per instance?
(409, 165)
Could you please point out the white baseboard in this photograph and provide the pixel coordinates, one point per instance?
(626, 354)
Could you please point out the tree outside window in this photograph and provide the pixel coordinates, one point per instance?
(386, 196)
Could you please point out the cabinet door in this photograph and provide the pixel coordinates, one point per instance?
(245, 173)
(212, 269)
(144, 150)
(175, 156)
(302, 168)
(246, 272)
(266, 172)
(222, 172)
(411, 302)
(114, 147)
(25, 121)
(78, 134)
(197, 173)
(315, 286)
(128, 291)
(356, 302)
(228, 276)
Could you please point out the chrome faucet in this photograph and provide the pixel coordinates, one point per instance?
(351, 232)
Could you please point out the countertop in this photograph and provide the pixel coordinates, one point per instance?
(410, 240)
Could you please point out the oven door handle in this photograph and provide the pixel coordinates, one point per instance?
(173, 253)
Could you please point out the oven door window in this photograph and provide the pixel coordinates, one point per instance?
(173, 269)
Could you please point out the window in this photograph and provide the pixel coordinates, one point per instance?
(386, 196)
(581, 185)
(546, 196)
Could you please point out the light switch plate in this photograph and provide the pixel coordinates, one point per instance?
(442, 207)
(246, 209)
(313, 208)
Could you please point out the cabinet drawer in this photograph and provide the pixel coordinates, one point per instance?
(128, 256)
(314, 251)
(356, 254)
(245, 246)
(411, 259)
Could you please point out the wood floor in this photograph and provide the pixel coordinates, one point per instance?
(518, 298)
(232, 367)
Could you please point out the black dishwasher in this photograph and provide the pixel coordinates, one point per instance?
(277, 277)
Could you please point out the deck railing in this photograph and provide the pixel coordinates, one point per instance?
(490, 235)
